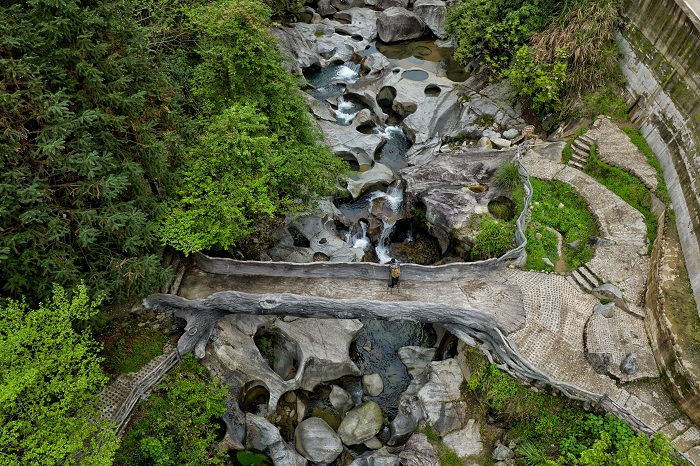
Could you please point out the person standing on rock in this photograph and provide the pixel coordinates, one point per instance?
(395, 273)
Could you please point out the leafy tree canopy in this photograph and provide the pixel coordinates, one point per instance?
(258, 154)
(87, 133)
(49, 377)
(553, 51)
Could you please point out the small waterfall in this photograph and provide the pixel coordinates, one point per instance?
(359, 239)
(348, 72)
(394, 197)
(346, 111)
(384, 243)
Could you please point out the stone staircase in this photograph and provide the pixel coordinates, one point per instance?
(584, 278)
(582, 149)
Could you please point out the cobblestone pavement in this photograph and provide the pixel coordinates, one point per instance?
(616, 149)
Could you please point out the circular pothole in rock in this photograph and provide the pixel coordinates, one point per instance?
(432, 90)
(415, 75)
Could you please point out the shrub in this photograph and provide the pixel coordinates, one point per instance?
(178, 423)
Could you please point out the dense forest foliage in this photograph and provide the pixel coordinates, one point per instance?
(557, 54)
(127, 126)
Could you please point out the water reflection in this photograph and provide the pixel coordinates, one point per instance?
(376, 350)
(424, 53)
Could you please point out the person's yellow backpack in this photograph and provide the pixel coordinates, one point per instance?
(396, 271)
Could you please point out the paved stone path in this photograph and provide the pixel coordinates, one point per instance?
(616, 149)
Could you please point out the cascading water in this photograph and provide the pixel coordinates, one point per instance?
(347, 109)
(328, 81)
(393, 152)
(394, 197)
(359, 239)
(394, 200)
(384, 244)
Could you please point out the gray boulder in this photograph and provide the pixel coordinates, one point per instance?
(317, 441)
(502, 452)
(372, 384)
(606, 310)
(511, 133)
(416, 359)
(433, 14)
(409, 414)
(347, 4)
(361, 423)
(465, 442)
(298, 47)
(378, 174)
(361, 22)
(386, 4)
(349, 144)
(341, 400)
(264, 437)
(380, 458)
(611, 293)
(419, 452)
(325, 8)
(375, 63)
(397, 24)
(441, 397)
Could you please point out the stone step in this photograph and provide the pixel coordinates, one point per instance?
(590, 276)
(572, 281)
(688, 439)
(578, 158)
(581, 146)
(576, 165)
(586, 139)
(581, 281)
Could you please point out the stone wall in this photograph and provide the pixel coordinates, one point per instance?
(661, 63)
(669, 356)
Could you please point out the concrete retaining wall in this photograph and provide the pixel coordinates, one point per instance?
(683, 387)
(661, 62)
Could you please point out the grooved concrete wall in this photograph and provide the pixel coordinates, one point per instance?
(669, 357)
(661, 62)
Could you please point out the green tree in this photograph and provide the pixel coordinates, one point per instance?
(86, 137)
(258, 154)
(495, 29)
(49, 377)
(541, 83)
(178, 424)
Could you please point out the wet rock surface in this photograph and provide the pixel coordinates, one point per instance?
(316, 441)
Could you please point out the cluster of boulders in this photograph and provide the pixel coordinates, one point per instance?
(399, 19)
(432, 398)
